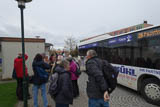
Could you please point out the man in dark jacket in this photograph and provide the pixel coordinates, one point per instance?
(64, 96)
(96, 85)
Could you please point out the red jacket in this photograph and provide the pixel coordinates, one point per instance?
(18, 65)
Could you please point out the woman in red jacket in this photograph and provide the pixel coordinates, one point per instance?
(18, 66)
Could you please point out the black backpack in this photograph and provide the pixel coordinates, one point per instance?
(110, 75)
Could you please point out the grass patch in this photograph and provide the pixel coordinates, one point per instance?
(8, 94)
(0, 70)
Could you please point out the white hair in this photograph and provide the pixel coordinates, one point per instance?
(91, 53)
(64, 63)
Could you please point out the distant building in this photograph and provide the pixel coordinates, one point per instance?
(9, 49)
(48, 47)
(129, 29)
(121, 31)
(59, 51)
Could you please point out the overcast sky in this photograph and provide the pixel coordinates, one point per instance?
(55, 20)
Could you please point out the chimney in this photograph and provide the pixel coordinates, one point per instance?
(37, 37)
(145, 22)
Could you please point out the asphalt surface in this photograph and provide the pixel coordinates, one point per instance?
(121, 97)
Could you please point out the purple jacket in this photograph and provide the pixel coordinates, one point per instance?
(73, 68)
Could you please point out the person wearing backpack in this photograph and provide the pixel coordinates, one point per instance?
(74, 77)
(97, 87)
(40, 79)
(64, 95)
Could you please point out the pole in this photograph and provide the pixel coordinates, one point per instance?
(23, 53)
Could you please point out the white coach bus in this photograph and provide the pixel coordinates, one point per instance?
(136, 55)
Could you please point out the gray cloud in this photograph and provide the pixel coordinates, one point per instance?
(57, 19)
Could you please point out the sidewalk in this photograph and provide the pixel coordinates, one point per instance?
(40, 101)
(121, 97)
(81, 101)
(6, 81)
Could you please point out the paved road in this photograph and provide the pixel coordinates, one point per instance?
(121, 97)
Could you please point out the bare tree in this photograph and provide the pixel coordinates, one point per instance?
(70, 43)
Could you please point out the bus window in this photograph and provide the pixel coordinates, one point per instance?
(150, 50)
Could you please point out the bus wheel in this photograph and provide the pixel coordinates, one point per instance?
(151, 90)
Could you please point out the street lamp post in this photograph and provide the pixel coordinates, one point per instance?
(21, 5)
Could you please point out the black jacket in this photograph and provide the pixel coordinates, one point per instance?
(96, 85)
(65, 93)
(36, 79)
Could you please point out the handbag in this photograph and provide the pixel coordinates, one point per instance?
(14, 75)
(31, 79)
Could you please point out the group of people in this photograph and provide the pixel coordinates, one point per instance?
(66, 67)
(97, 88)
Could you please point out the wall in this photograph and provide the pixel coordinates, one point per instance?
(47, 50)
(0, 61)
(10, 51)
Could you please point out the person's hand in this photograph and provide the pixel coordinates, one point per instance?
(106, 96)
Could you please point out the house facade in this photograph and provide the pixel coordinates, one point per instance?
(9, 49)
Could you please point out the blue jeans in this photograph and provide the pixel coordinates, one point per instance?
(93, 102)
(43, 92)
(62, 105)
